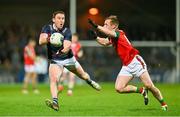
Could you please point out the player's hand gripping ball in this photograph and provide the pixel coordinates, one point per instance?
(56, 39)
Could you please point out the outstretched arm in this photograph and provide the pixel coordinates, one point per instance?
(104, 30)
(101, 41)
(107, 32)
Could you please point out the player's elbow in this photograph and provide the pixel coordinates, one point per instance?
(102, 43)
(107, 44)
(41, 42)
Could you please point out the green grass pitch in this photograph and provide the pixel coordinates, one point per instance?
(87, 102)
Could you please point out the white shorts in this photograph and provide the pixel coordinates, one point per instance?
(29, 68)
(65, 70)
(135, 68)
(71, 62)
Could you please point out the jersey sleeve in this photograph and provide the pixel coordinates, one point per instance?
(117, 34)
(68, 35)
(45, 29)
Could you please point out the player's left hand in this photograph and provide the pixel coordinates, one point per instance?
(92, 23)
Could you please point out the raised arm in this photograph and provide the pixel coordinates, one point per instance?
(106, 31)
(101, 41)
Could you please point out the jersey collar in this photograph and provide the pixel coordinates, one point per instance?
(55, 28)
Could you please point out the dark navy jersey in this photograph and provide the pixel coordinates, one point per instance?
(53, 51)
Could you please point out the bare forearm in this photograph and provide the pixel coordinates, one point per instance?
(65, 49)
(66, 46)
(103, 41)
(43, 39)
(106, 31)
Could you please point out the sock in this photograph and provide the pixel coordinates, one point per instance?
(70, 85)
(55, 100)
(139, 90)
(89, 81)
(162, 102)
(70, 88)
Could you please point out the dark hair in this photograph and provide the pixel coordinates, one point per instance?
(31, 40)
(57, 12)
(76, 34)
(114, 19)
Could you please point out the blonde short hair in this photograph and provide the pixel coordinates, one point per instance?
(114, 19)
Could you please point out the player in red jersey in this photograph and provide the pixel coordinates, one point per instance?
(29, 66)
(76, 46)
(78, 53)
(133, 63)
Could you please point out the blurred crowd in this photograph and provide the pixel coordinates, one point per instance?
(15, 36)
(140, 33)
(13, 39)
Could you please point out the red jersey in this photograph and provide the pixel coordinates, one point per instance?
(75, 47)
(29, 52)
(123, 47)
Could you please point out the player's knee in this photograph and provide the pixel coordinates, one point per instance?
(149, 86)
(53, 78)
(119, 89)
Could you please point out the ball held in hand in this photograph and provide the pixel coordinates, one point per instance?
(56, 39)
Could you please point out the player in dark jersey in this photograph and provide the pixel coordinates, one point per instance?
(61, 57)
(133, 63)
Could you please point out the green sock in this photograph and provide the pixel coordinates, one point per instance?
(139, 90)
(162, 102)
